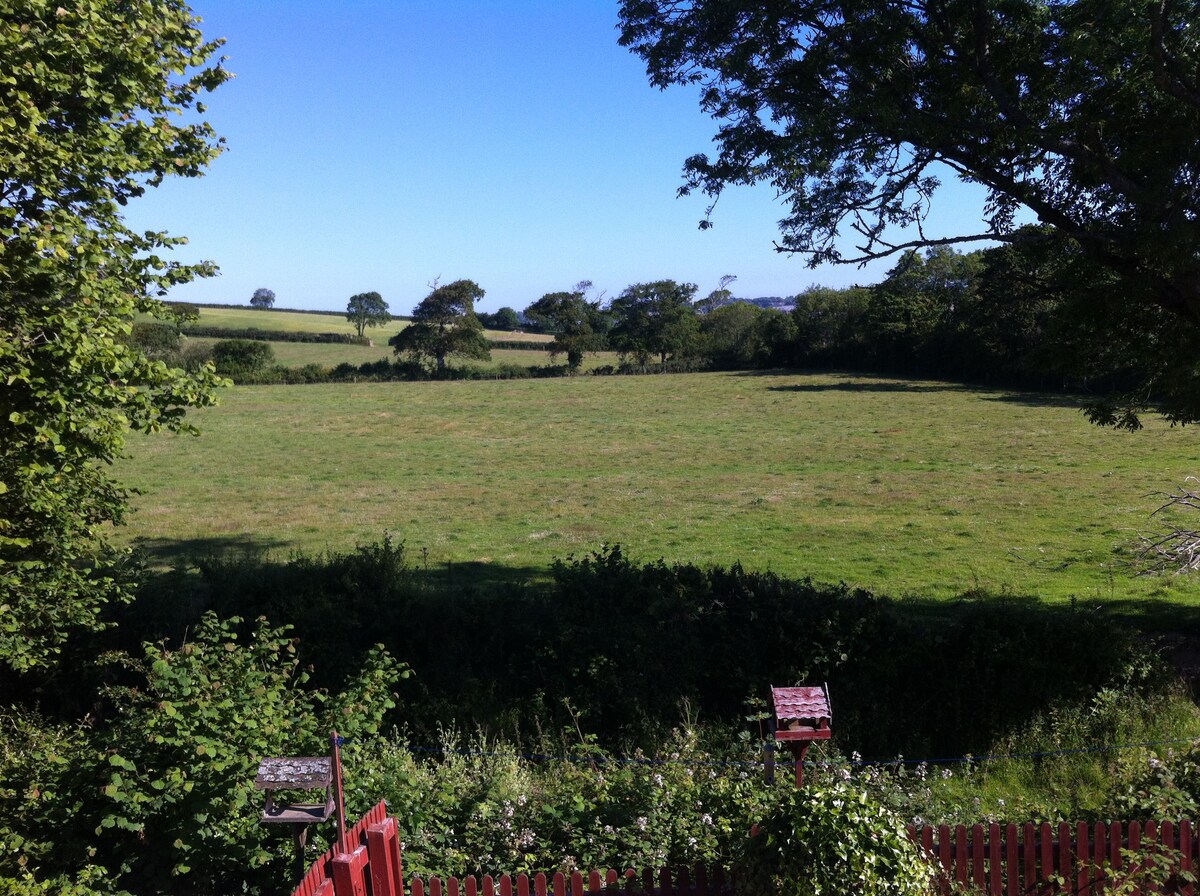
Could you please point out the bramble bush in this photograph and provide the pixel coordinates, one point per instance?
(161, 793)
(832, 840)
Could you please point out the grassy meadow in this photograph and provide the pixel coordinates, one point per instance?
(307, 322)
(898, 485)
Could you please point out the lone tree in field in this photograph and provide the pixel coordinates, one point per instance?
(1085, 115)
(445, 324)
(654, 319)
(576, 323)
(262, 298)
(96, 108)
(367, 309)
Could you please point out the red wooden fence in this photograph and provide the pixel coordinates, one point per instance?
(1080, 859)
(699, 881)
(366, 860)
(1035, 860)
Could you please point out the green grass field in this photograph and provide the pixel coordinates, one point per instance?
(901, 486)
(304, 322)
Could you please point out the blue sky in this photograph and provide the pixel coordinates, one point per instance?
(377, 145)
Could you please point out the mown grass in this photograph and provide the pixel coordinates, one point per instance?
(902, 486)
(307, 322)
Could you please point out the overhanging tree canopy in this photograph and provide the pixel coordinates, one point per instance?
(1085, 113)
(93, 110)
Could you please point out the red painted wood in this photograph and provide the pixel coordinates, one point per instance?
(1116, 838)
(418, 887)
(945, 854)
(471, 885)
(961, 872)
(977, 854)
(383, 852)
(506, 885)
(435, 886)
(1083, 876)
(1186, 855)
(576, 884)
(1063, 866)
(1045, 851)
(1012, 847)
(489, 885)
(1029, 856)
(452, 886)
(611, 878)
(558, 884)
(539, 885)
(995, 879)
(349, 873)
(1101, 844)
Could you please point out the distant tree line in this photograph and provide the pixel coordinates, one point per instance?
(1017, 315)
(1013, 315)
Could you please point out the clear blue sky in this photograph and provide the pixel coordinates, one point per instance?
(376, 145)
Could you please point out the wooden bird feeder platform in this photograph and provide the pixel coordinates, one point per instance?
(801, 715)
(305, 773)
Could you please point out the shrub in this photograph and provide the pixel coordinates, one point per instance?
(833, 839)
(239, 356)
(155, 338)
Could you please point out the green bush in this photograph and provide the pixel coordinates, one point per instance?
(155, 338)
(833, 839)
(241, 356)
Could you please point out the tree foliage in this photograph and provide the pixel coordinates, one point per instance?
(833, 839)
(505, 318)
(92, 112)
(445, 324)
(654, 319)
(1085, 114)
(262, 298)
(367, 309)
(577, 324)
(240, 356)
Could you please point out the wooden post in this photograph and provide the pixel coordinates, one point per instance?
(338, 793)
(799, 751)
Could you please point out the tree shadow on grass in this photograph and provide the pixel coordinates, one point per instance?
(871, 386)
(1039, 399)
(851, 381)
(872, 382)
(163, 553)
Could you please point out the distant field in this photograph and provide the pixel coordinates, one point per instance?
(902, 486)
(302, 322)
(297, 354)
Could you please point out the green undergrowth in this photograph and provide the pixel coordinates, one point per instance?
(487, 805)
(625, 642)
(607, 713)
